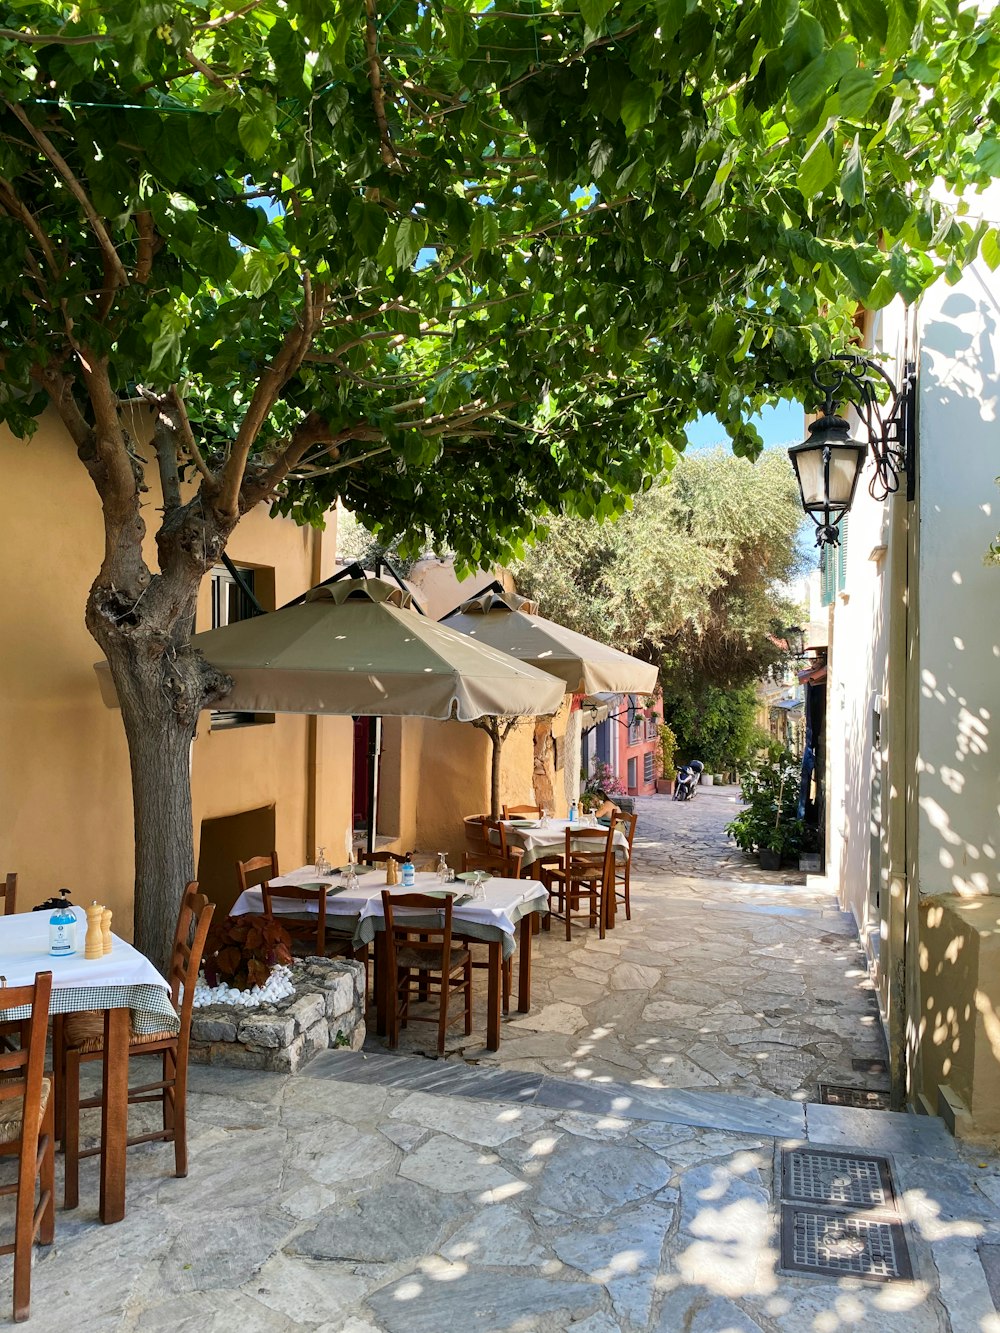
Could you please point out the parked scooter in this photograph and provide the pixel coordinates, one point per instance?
(688, 778)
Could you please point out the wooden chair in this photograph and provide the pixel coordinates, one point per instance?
(584, 873)
(8, 891)
(254, 873)
(380, 858)
(503, 867)
(475, 832)
(522, 812)
(80, 1037)
(623, 866)
(27, 1133)
(432, 961)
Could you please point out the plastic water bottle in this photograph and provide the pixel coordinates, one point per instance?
(572, 813)
(408, 872)
(62, 928)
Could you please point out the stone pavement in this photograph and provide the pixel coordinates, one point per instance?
(388, 1194)
(753, 984)
(612, 1169)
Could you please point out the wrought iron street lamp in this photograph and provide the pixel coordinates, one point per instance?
(829, 463)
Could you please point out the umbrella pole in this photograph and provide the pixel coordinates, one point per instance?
(374, 758)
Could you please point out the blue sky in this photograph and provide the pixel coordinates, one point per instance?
(780, 425)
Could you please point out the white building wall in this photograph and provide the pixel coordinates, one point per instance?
(959, 708)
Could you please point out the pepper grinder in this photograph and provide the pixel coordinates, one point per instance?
(94, 945)
(106, 929)
(391, 873)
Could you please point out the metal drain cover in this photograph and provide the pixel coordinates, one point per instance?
(869, 1066)
(816, 1175)
(842, 1094)
(835, 1245)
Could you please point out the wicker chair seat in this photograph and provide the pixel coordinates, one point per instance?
(429, 959)
(84, 1032)
(12, 1113)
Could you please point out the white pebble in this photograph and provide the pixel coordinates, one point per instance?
(277, 987)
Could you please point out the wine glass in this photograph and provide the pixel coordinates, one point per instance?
(323, 866)
(545, 814)
(479, 878)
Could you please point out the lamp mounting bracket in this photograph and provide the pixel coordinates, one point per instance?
(888, 420)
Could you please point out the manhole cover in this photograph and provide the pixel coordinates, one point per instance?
(842, 1094)
(815, 1175)
(834, 1245)
(869, 1066)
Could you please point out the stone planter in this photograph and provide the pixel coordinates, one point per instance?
(769, 860)
(326, 1010)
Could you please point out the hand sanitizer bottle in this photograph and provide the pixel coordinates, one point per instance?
(572, 813)
(62, 928)
(408, 872)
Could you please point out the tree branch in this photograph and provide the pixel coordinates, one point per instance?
(215, 79)
(312, 430)
(165, 443)
(187, 434)
(271, 382)
(146, 248)
(12, 205)
(60, 390)
(221, 22)
(378, 96)
(54, 38)
(50, 151)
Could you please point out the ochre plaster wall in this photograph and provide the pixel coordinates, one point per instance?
(959, 958)
(65, 792)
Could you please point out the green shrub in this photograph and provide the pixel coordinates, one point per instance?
(771, 791)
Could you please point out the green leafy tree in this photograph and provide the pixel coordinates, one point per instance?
(717, 726)
(690, 578)
(459, 267)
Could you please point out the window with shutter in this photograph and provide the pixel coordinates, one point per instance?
(231, 602)
(833, 565)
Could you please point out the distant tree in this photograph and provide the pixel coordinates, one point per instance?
(717, 726)
(692, 578)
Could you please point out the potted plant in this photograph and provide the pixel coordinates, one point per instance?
(769, 824)
(666, 774)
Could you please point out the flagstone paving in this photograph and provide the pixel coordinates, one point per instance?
(752, 983)
(353, 1200)
(610, 1170)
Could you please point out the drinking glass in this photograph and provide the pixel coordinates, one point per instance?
(478, 891)
(323, 866)
(545, 814)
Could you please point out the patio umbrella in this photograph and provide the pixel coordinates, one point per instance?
(355, 648)
(511, 623)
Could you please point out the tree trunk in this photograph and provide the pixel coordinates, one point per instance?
(160, 759)
(544, 764)
(496, 741)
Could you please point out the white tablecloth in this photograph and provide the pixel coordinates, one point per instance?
(124, 978)
(549, 838)
(505, 902)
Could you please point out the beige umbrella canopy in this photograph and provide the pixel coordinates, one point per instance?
(511, 623)
(356, 648)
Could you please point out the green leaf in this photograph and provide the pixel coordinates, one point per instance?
(856, 92)
(987, 155)
(990, 249)
(367, 224)
(773, 18)
(852, 177)
(722, 339)
(816, 169)
(256, 128)
(594, 12)
(408, 241)
(638, 106)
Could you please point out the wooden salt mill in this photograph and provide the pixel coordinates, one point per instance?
(391, 872)
(94, 944)
(106, 929)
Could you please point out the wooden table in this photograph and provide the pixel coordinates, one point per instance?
(130, 991)
(503, 921)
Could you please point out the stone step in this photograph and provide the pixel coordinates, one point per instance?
(772, 1117)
